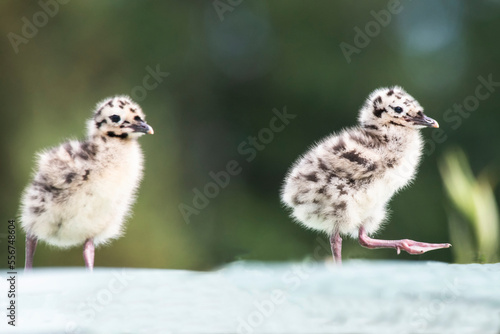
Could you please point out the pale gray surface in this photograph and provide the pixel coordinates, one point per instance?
(361, 297)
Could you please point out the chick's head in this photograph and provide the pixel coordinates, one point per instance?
(393, 106)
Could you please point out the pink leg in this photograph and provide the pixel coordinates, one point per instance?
(88, 253)
(31, 242)
(409, 246)
(336, 244)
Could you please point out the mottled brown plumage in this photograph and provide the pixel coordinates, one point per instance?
(83, 190)
(342, 185)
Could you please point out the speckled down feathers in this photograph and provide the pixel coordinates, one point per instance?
(84, 189)
(346, 180)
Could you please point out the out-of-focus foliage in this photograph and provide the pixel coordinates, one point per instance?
(474, 223)
(227, 72)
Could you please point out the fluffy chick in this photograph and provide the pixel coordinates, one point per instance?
(342, 185)
(83, 190)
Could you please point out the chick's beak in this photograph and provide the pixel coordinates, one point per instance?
(142, 127)
(425, 121)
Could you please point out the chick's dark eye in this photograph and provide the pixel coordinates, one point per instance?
(114, 118)
(137, 118)
(398, 110)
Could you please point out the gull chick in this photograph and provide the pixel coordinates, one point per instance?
(342, 185)
(83, 190)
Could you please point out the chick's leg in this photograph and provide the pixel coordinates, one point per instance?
(336, 244)
(31, 242)
(409, 246)
(88, 253)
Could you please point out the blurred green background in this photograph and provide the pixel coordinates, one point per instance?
(230, 63)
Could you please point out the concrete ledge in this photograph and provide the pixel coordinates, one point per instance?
(361, 297)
